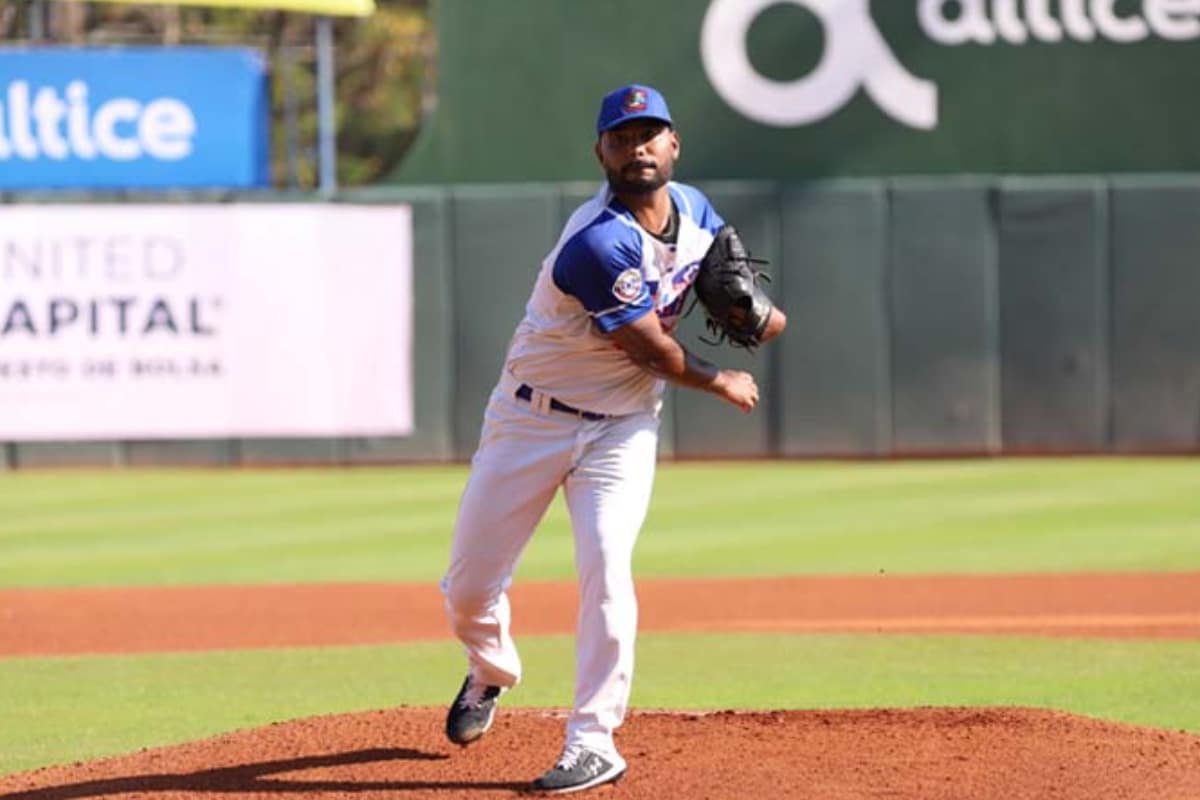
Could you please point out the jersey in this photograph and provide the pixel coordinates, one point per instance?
(604, 272)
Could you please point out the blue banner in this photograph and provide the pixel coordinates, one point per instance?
(133, 118)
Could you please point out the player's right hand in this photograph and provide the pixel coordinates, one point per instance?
(737, 387)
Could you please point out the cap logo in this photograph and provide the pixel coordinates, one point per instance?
(635, 100)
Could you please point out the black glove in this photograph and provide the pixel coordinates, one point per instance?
(728, 287)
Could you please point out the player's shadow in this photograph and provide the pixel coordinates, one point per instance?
(255, 778)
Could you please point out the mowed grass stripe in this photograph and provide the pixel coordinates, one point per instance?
(222, 526)
(973, 516)
(69, 502)
(65, 709)
(761, 518)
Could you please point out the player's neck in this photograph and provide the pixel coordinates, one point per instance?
(652, 211)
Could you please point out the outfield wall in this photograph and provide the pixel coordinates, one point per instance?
(804, 89)
(927, 316)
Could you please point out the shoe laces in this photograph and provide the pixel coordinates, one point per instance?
(477, 694)
(570, 757)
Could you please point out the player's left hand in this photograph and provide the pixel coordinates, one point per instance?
(737, 308)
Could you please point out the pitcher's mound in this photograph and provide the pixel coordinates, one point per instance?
(926, 753)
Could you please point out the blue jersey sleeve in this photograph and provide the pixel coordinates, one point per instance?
(601, 266)
(692, 203)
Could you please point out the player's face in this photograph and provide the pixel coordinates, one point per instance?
(639, 156)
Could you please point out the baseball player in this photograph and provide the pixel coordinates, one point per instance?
(576, 407)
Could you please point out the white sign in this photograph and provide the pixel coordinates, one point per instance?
(158, 321)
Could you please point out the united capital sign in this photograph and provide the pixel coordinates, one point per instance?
(119, 118)
(143, 321)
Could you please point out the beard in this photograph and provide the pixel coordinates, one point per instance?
(632, 179)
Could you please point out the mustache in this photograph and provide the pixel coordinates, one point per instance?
(641, 163)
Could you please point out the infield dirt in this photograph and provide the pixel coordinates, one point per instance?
(901, 754)
(918, 754)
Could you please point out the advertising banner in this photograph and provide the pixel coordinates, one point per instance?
(199, 321)
(347, 8)
(797, 89)
(133, 118)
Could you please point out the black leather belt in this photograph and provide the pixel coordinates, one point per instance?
(525, 392)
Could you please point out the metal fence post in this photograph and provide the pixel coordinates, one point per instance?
(326, 110)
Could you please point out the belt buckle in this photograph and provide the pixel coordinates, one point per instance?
(526, 392)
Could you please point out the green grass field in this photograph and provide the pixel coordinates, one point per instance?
(199, 526)
(70, 528)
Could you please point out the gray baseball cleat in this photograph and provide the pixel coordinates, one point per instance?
(580, 769)
(472, 712)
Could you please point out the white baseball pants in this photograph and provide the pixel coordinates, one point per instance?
(606, 468)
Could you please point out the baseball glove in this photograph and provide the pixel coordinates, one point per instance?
(727, 286)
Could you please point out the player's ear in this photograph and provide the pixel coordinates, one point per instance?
(675, 142)
(596, 149)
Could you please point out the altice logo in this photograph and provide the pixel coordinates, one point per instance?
(857, 56)
(42, 124)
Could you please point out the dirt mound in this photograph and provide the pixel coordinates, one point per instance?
(926, 753)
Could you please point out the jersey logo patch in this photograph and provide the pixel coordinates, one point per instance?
(686, 275)
(628, 286)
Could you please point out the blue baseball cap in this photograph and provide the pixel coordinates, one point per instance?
(634, 101)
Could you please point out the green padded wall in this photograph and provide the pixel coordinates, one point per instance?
(1156, 325)
(280, 451)
(1053, 257)
(185, 452)
(943, 318)
(571, 197)
(433, 334)
(705, 426)
(926, 316)
(500, 236)
(833, 377)
(67, 454)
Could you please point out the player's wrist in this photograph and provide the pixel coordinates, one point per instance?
(721, 381)
(699, 372)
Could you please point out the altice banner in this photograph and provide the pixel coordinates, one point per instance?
(157, 321)
(133, 118)
(800, 89)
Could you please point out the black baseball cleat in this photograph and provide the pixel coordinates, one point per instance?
(472, 711)
(577, 770)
